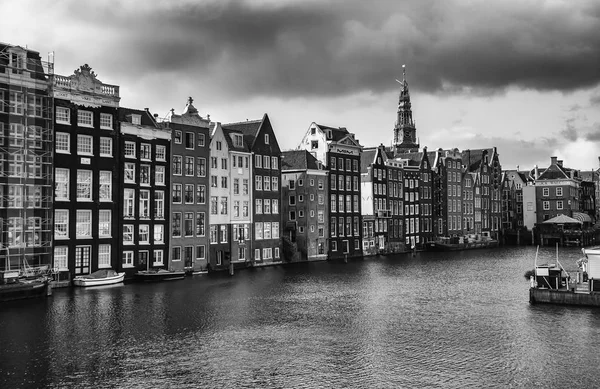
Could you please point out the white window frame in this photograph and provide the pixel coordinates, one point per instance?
(106, 147)
(85, 118)
(80, 223)
(105, 217)
(85, 145)
(104, 256)
(62, 143)
(106, 121)
(63, 115)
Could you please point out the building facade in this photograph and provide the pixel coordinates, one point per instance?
(189, 179)
(86, 173)
(143, 230)
(26, 159)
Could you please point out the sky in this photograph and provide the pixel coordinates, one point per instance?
(523, 76)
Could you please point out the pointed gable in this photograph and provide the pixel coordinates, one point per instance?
(259, 135)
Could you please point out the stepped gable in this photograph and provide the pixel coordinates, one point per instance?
(227, 132)
(298, 160)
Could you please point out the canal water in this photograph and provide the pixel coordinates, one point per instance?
(448, 320)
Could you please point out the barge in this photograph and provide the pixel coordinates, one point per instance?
(552, 284)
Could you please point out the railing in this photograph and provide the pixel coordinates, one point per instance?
(104, 89)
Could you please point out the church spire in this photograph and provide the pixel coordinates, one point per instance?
(405, 133)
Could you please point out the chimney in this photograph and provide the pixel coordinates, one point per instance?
(537, 173)
(559, 163)
(553, 160)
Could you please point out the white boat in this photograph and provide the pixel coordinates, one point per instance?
(100, 277)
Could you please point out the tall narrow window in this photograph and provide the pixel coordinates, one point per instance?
(84, 185)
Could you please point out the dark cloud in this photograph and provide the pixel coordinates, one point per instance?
(312, 48)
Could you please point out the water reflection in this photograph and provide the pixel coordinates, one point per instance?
(439, 320)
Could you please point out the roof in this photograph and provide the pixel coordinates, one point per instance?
(298, 160)
(229, 138)
(582, 217)
(147, 119)
(472, 159)
(337, 133)
(367, 158)
(562, 219)
(249, 128)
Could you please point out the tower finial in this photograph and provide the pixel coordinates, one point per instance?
(403, 72)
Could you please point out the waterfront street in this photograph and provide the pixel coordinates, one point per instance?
(452, 320)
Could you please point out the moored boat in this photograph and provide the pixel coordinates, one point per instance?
(152, 275)
(100, 277)
(13, 287)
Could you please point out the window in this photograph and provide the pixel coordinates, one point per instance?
(266, 139)
(201, 140)
(161, 153)
(223, 182)
(213, 181)
(213, 205)
(63, 115)
(177, 137)
(127, 258)
(128, 202)
(214, 163)
(159, 204)
(267, 183)
(145, 151)
(275, 184)
(145, 204)
(159, 175)
(61, 258)
(159, 233)
(223, 234)
(189, 140)
(200, 194)
(61, 184)
(177, 165)
(266, 162)
(106, 121)
(129, 172)
(157, 259)
(224, 207)
(62, 144)
(258, 182)
(84, 118)
(245, 186)
(145, 175)
(200, 224)
(274, 163)
(546, 204)
(213, 234)
(177, 193)
(189, 194)
(106, 147)
(275, 230)
(274, 206)
(201, 167)
(104, 223)
(61, 224)
(16, 135)
(257, 160)
(189, 166)
(176, 254)
(176, 225)
(200, 252)
(236, 208)
(188, 224)
(83, 226)
(84, 145)
(84, 185)
(219, 145)
(267, 206)
(545, 191)
(258, 206)
(245, 209)
(258, 230)
(136, 119)
(559, 204)
(559, 192)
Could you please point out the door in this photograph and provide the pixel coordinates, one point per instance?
(82, 259)
(189, 256)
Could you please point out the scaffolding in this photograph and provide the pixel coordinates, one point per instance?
(26, 160)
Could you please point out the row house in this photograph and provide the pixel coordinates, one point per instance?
(469, 188)
(86, 173)
(517, 179)
(486, 165)
(190, 152)
(26, 159)
(448, 208)
(395, 176)
(305, 194)
(230, 198)
(262, 144)
(143, 231)
(340, 152)
(418, 198)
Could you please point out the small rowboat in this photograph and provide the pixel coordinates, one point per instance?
(159, 275)
(100, 277)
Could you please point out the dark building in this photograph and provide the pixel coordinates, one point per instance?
(26, 159)
(190, 151)
(340, 152)
(143, 155)
(447, 187)
(86, 174)
(304, 194)
(266, 169)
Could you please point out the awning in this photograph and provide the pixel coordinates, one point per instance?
(562, 219)
(582, 217)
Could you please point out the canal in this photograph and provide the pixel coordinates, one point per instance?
(450, 320)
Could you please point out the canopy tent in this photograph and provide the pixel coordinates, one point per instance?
(562, 219)
(582, 217)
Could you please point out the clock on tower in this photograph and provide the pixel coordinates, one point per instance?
(406, 134)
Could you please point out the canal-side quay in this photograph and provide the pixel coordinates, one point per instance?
(452, 320)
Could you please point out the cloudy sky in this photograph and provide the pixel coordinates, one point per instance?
(523, 76)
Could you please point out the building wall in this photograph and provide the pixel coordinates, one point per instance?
(241, 206)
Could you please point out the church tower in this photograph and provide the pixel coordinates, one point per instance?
(405, 133)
